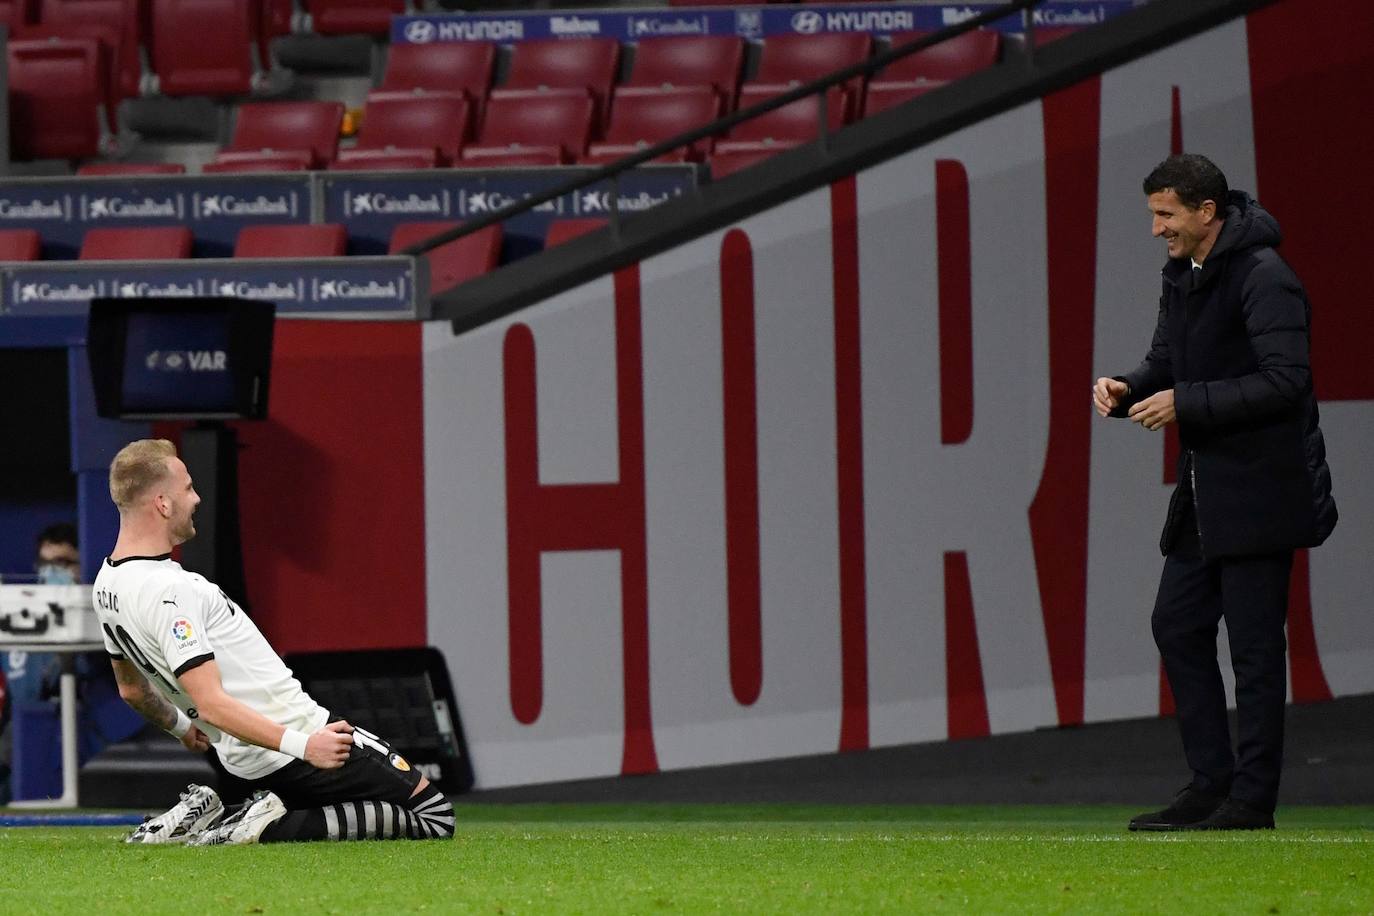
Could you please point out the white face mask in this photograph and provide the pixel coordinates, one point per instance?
(53, 574)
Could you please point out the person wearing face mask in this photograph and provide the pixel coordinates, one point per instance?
(33, 676)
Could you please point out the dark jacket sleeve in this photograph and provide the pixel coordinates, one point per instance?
(1155, 372)
(1275, 314)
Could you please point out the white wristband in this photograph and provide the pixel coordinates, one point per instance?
(293, 743)
(181, 726)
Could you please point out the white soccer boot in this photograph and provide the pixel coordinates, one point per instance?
(198, 810)
(245, 825)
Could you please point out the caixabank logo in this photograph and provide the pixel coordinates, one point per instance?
(385, 203)
(474, 203)
(599, 202)
(142, 288)
(340, 290)
(232, 206)
(277, 291)
(40, 292)
(664, 26)
(1072, 17)
(97, 208)
(37, 208)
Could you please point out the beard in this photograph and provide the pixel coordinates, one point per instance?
(184, 530)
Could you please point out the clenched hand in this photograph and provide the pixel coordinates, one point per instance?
(1155, 412)
(328, 748)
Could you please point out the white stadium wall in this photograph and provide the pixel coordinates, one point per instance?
(829, 479)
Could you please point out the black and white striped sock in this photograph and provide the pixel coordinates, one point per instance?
(429, 816)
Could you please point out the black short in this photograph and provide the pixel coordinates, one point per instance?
(372, 772)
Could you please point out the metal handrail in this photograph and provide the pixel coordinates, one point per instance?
(720, 125)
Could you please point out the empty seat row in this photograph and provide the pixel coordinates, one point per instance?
(72, 64)
(449, 264)
(714, 61)
(549, 123)
(60, 85)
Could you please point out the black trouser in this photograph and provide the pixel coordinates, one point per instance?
(1251, 593)
(372, 796)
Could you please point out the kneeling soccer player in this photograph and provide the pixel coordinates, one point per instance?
(191, 662)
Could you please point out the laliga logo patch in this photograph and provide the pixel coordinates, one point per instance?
(399, 763)
(181, 629)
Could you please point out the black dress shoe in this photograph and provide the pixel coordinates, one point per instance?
(1235, 815)
(1190, 806)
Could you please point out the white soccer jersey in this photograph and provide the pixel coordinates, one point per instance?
(167, 620)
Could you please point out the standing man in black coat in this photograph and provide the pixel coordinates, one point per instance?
(1229, 364)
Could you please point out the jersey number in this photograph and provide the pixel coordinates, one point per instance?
(121, 636)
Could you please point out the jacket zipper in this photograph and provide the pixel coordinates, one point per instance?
(1197, 507)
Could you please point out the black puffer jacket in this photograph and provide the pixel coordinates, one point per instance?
(1234, 347)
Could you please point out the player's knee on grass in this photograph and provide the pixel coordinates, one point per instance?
(434, 811)
(428, 815)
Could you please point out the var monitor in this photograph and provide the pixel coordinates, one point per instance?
(177, 359)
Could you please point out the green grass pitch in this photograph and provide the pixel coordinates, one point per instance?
(513, 859)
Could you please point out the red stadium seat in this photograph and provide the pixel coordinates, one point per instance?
(282, 136)
(720, 2)
(952, 59)
(477, 157)
(690, 60)
(20, 245)
(353, 17)
(916, 74)
(452, 262)
(323, 240)
(563, 230)
(276, 20)
(882, 96)
(124, 21)
(464, 66)
(155, 243)
(384, 160)
(399, 127)
(112, 58)
(587, 63)
(206, 47)
(797, 122)
(14, 15)
(56, 92)
(728, 163)
(553, 126)
(802, 58)
(233, 163)
(643, 118)
(792, 59)
(131, 168)
(1047, 34)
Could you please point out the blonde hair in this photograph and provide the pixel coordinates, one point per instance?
(138, 466)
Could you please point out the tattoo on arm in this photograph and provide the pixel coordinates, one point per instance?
(143, 698)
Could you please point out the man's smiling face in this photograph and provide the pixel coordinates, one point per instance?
(1183, 229)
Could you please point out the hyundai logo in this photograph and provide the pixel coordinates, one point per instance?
(806, 22)
(420, 31)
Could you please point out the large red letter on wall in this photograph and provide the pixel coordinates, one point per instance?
(592, 516)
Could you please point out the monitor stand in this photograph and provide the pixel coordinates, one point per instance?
(210, 451)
